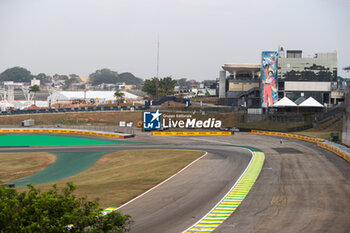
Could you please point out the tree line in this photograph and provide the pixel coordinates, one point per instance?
(55, 211)
(20, 74)
(154, 87)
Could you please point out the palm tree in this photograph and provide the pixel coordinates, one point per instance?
(34, 89)
(119, 95)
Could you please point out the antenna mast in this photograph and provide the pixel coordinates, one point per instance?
(158, 58)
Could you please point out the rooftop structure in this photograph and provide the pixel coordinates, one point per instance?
(240, 85)
(241, 68)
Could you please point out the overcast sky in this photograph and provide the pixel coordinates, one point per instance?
(196, 36)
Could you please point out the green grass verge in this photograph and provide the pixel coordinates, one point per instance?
(67, 164)
(13, 140)
(325, 129)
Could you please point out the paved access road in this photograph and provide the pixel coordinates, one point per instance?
(302, 188)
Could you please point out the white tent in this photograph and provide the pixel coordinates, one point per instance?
(285, 102)
(311, 102)
(21, 104)
(4, 105)
(60, 96)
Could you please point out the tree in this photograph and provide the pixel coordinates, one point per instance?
(109, 76)
(166, 86)
(44, 78)
(60, 77)
(72, 79)
(184, 83)
(129, 79)
(119, 95)
(16, 74)
(75, 76)
(103, 76)
(53, 211)
(34, 89)
(159, 87)
(150, 86)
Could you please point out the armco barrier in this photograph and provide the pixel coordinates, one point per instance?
(334, 150)
(63, 131)
(191, 133)
(318, 141)
(287, 135)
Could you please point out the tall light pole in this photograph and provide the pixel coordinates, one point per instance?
(157, 68)
(158, 57)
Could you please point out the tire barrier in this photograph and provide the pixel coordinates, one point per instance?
(234, 197)
(65, 131)
(213, 133)
(318, 141)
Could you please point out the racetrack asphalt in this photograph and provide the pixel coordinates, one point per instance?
(302, 188)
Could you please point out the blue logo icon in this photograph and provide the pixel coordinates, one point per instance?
(151, 120)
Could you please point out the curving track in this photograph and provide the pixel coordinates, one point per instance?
(302, 188)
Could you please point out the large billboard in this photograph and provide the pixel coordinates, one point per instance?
(269, 79)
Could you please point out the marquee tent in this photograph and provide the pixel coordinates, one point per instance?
(311, 102)
(285, 102)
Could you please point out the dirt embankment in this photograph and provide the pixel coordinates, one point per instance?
(79, 118)
(17, 165)
(112, 118)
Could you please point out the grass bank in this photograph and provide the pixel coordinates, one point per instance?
(325, 129)
(121, 176)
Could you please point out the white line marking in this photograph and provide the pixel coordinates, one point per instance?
(161, 182)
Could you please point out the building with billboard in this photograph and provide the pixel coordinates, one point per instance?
(281, 73)
(299, 76)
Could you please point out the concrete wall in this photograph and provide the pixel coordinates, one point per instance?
(307, 86)
(222, 84)
(241, 86)
(346, 119)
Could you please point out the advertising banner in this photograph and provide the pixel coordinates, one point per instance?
(269, 79)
